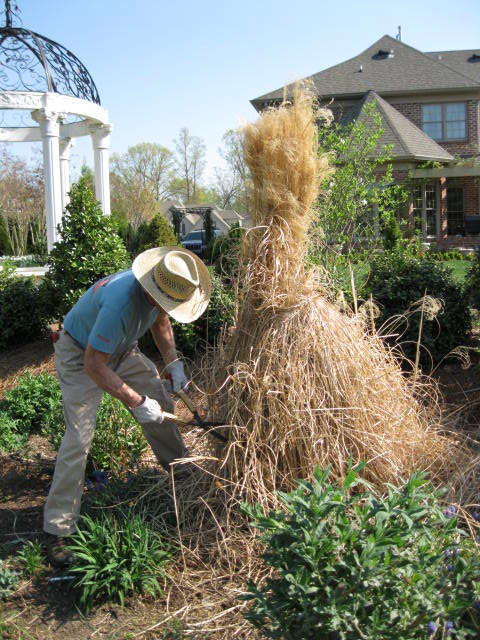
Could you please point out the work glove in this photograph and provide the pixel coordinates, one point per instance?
(148, 411)
(175, 376)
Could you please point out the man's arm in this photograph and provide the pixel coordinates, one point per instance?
(95, 366)
(162, 333)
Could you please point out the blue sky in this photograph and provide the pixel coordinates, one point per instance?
(166, 64)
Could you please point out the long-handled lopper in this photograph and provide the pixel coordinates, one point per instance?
(196, 421)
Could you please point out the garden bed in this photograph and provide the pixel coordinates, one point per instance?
(42, 609)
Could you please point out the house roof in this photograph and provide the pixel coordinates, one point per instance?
(391, 67)
(224, 217)
(466, 61)
(409, 142)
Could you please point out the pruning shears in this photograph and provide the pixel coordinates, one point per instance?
(196, 420)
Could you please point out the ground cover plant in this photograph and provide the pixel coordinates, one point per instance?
(352, 563)
(34, 405)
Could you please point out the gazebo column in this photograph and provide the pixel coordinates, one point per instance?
(65, 145)
(101, 145)
(49, 122)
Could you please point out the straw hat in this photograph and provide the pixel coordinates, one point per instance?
(177, 280)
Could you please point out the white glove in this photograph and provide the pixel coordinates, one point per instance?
(148, 411)
(175, 375)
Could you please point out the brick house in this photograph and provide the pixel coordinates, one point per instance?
(430, 109)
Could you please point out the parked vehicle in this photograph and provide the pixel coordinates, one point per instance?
(195, 241)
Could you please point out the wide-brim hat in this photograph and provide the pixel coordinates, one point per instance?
(176, 279)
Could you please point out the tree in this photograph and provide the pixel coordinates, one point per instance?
(232, 183)
(360, 201)
(157, 233)
(140, 179)
(191, 164)
(22, 205)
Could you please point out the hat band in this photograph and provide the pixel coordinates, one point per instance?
(164, 293)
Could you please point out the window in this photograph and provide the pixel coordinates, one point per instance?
(424, 205)
(445, 121)
(455, 220)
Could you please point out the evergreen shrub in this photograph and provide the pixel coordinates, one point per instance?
(472, 280)
(157, 233)
(223, 252)
(23, 315)
(398, 280)
(89, 248)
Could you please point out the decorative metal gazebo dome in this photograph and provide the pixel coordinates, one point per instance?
(48, 95)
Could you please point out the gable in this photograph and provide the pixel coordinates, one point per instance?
(408, 142)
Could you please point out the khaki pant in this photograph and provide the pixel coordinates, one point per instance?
(81, 397)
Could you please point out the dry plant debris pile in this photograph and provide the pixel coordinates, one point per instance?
(303, 382)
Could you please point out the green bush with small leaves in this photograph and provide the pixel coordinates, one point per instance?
(35, 406)
(118, 437)
(23, 314)
(35, 403)
(157, 233)
(89, 248)
(472, 280)
(350, 563)
(223, 252)
(11, 436)
(397, 281)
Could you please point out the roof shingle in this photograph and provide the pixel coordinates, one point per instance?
(390, 67)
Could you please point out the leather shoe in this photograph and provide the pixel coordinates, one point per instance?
(58, 553)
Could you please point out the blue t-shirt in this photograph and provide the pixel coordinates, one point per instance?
(112, 314)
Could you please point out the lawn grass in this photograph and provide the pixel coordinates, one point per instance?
(460, 268)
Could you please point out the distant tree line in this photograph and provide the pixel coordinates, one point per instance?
(140, 179)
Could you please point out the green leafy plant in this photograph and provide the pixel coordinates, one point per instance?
(89, 249)
(11, 436)
(116, 555)
(117, 439)
(35, 403)
(157, 233)
(23, 316)
(472, 283)
(9, 578)
(223, 252)
(360, 201)
(397, 281)
(351, 564)
(31, 558)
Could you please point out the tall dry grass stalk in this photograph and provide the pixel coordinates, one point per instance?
(303, 382)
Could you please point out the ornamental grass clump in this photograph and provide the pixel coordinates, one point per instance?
(303, 382)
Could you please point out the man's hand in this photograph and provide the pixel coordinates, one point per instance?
(148, 411)
(176, 376)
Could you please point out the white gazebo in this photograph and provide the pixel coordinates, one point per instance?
(47, 95)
